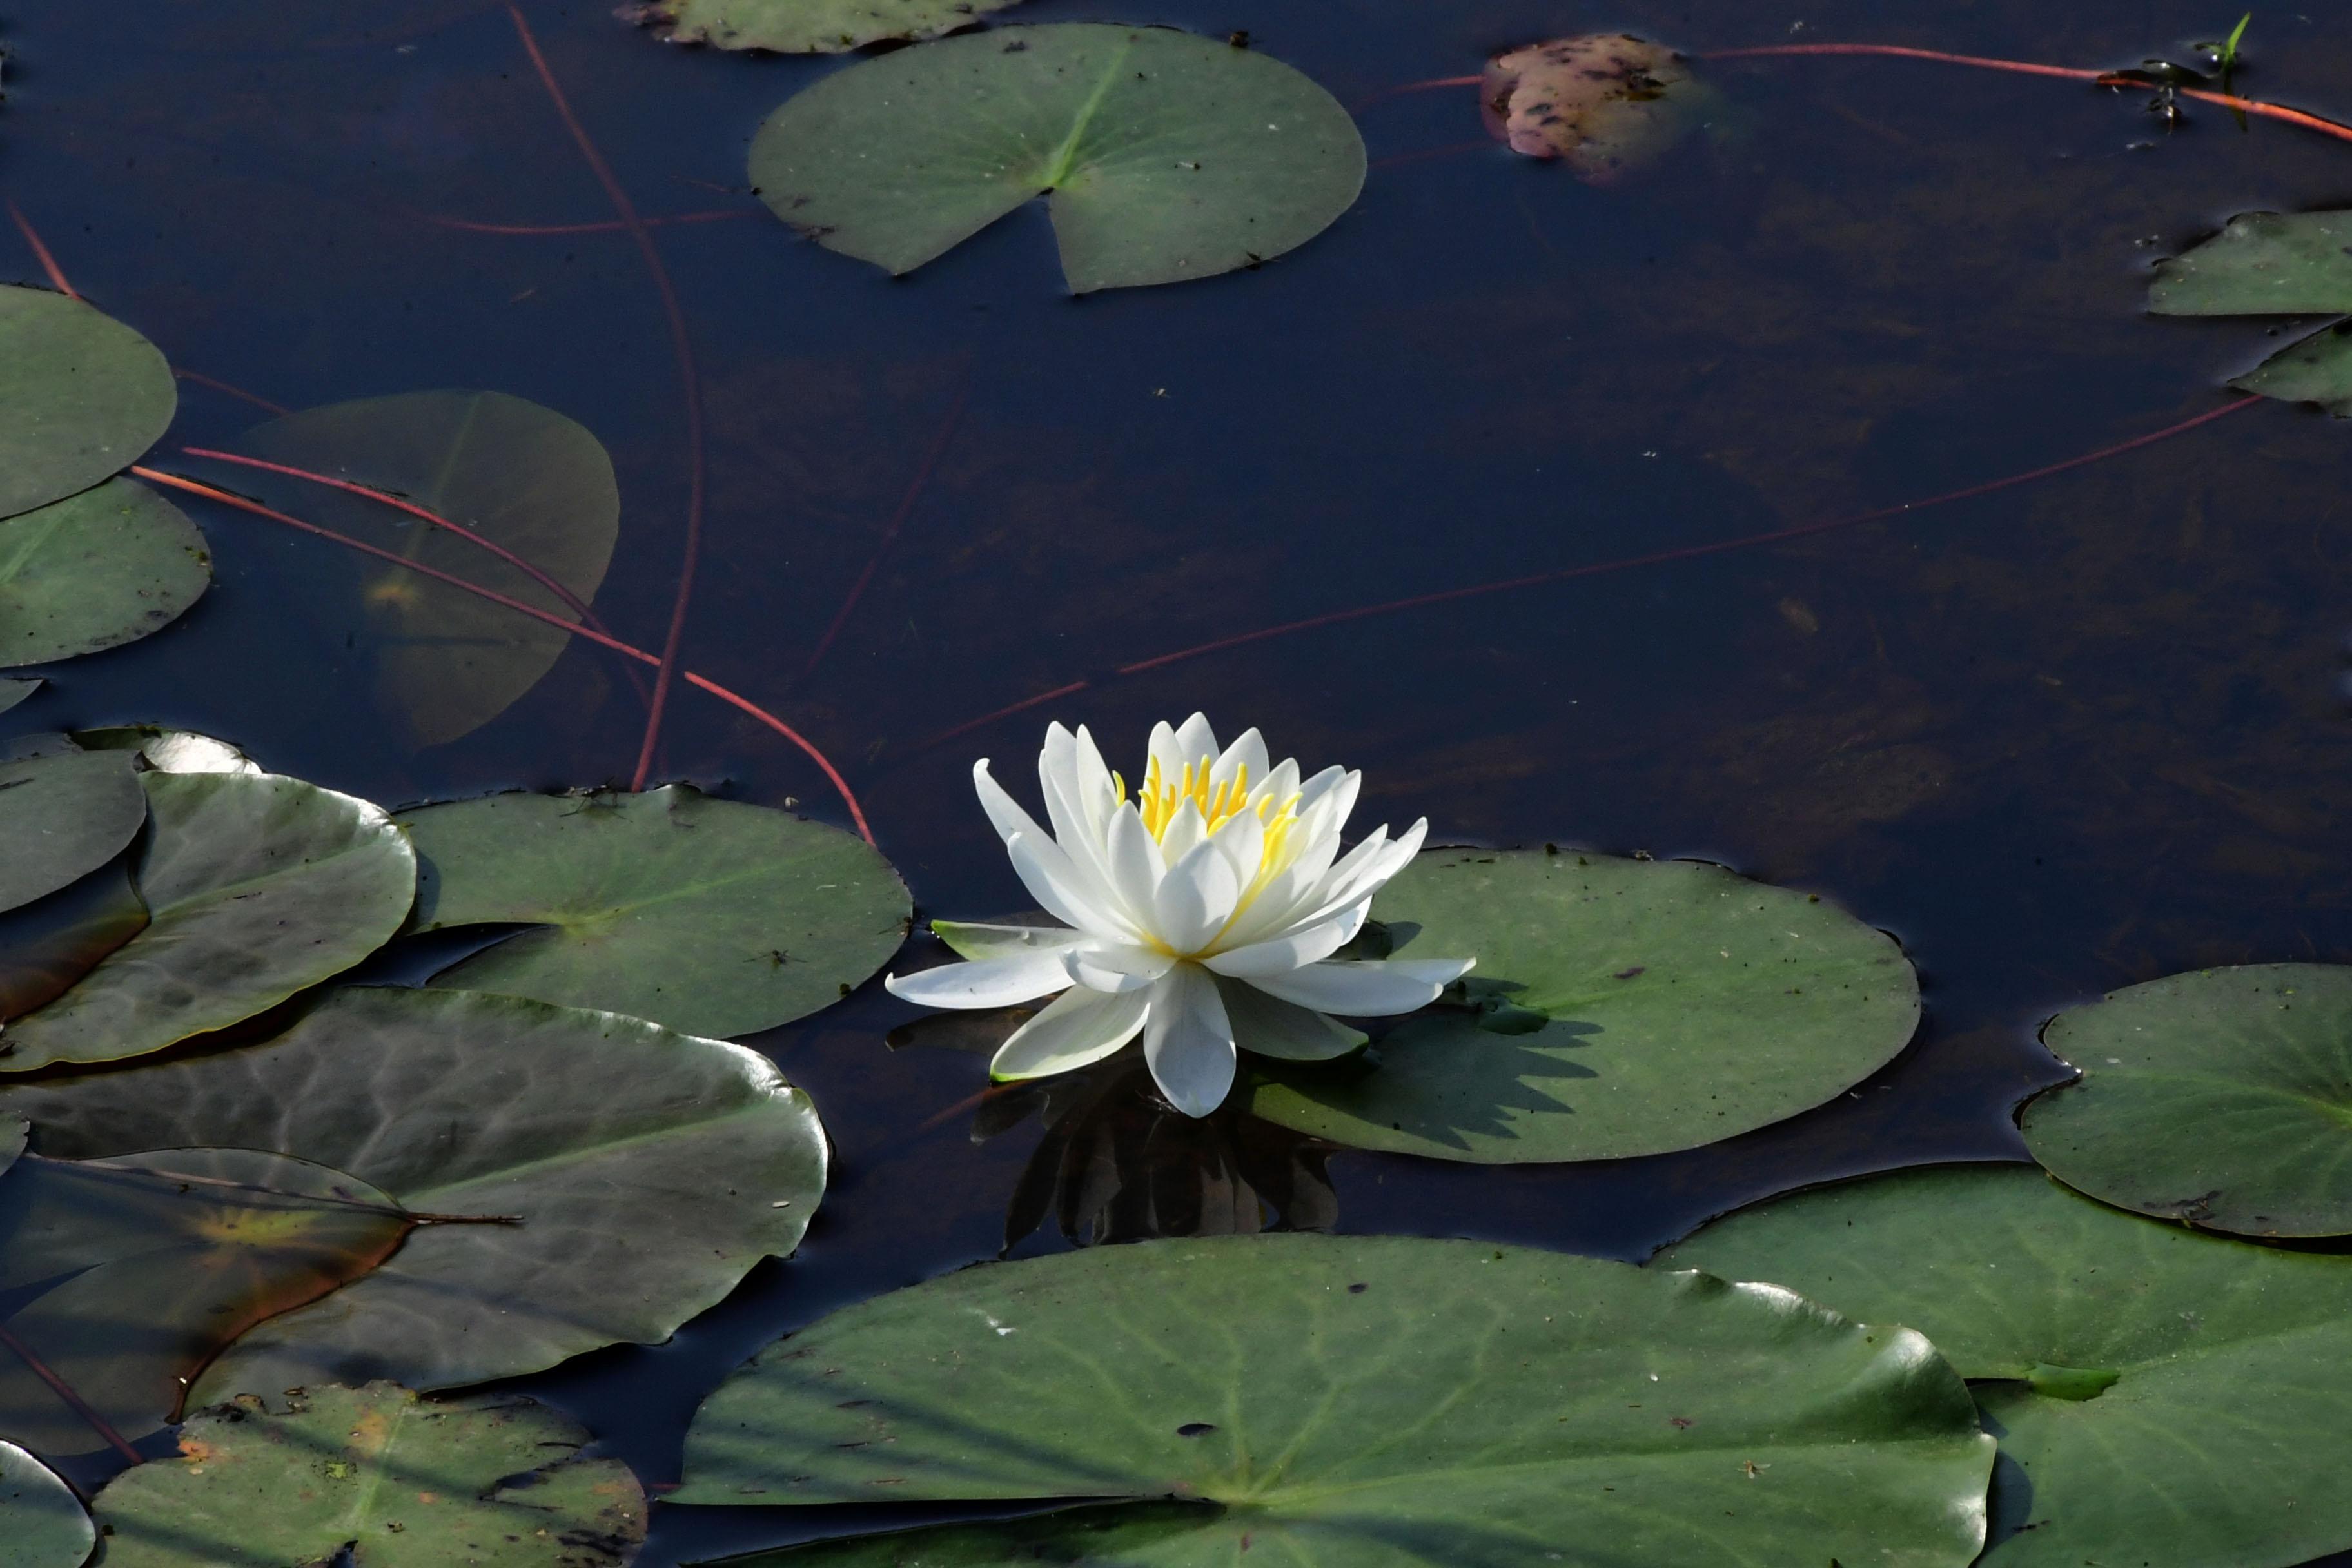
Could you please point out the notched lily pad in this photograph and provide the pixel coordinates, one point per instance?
(2162, 1396)
(2222, 1097)
(712, 917)
(1376, 1402)
(61, 818)
(1677, 1004)
(645, 1173)
(498, 1481)
(130, 1275)
(81, 396)
(805, 27)
(1605, 104)
(1163, 156)
(42, 1524)
(96, 571)
(523, 476)
(257, 887)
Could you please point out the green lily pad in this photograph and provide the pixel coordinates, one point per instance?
(2262, 264)
(1371, 1402)
(2222, 1097)
(95, 570)
(807, 26)
(2318, 369)
(13, 691)
(81, 396)
(257, 887)
(139, 1271)
(46, 946)
(62, 817)
(1163, 156)
(712, 917)
(648, 1172)
(1675, 1004)
(14, 1129)
(2162, 1397)
(498, 1481)
(523, 476)
(42, 1524)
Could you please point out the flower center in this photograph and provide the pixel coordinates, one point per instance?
(1161, 799)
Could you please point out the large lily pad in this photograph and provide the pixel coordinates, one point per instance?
(1372, 1401)
(1674, 1005)
(61, 818)
(14, 1129)
(2162, 1397)
(95, 570)
(46, 946)
(498, 1481)
(712, 917)
(521, 475)
(807, 27)
(648, 1171)
(138, 1271)
(81, 396)
(42, 1524)
(2223, 1097)
(1163, 156)
(1605, 104)
(2274, 264)
(258, 887)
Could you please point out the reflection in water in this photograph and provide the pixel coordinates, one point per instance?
(1118, 1163)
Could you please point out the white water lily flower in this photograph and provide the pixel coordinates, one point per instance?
(1202, 915)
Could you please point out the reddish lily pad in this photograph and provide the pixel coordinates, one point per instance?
(1606, 104)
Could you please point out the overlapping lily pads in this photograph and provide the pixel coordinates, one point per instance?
(523, 476)
(46, 946)
(258, 887)
(1163, 156)
(2161, 1396)
(807, 26)
(645, 1173)
(709, 916)
(95, 570)
(1675, 1004)
(129, 1276)
(42, 1524)
(497, 1481)
(2223, 1097)
(2274, 264)
(61, 818)
(1373, 1402)
(81, 397)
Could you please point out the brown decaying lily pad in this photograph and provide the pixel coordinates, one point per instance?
(1606, 103)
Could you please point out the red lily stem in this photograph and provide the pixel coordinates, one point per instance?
(401, 503)
(236, 391)
(1658, 558)
(716, 215)
(66, 1391)
(41, 253)
(890, 534)
(2302, 118)
(690, 386)
(228, 498)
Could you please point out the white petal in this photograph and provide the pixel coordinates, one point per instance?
(1289, 905)
(984, 982)
(1248, 751)
(1096, 794)
(1060, 889)
(1078, 837)
(1277, 786)
(1132, 860)
(1004, 813)
(1370, 989)
(1195, 741)
(1269, 1028)
(1195, 898)
(971, 940)
(1185, 833)
(1165, 750)
(1188, 1042)
(1242, 839)
(1112, 967)
(1080, 1027)
(1295, 951)
(1337, 785)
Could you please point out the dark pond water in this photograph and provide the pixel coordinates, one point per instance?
(2068, 736)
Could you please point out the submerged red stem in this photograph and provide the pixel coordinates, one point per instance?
(41, 253)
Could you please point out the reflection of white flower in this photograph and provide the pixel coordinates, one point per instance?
(1204, 915)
